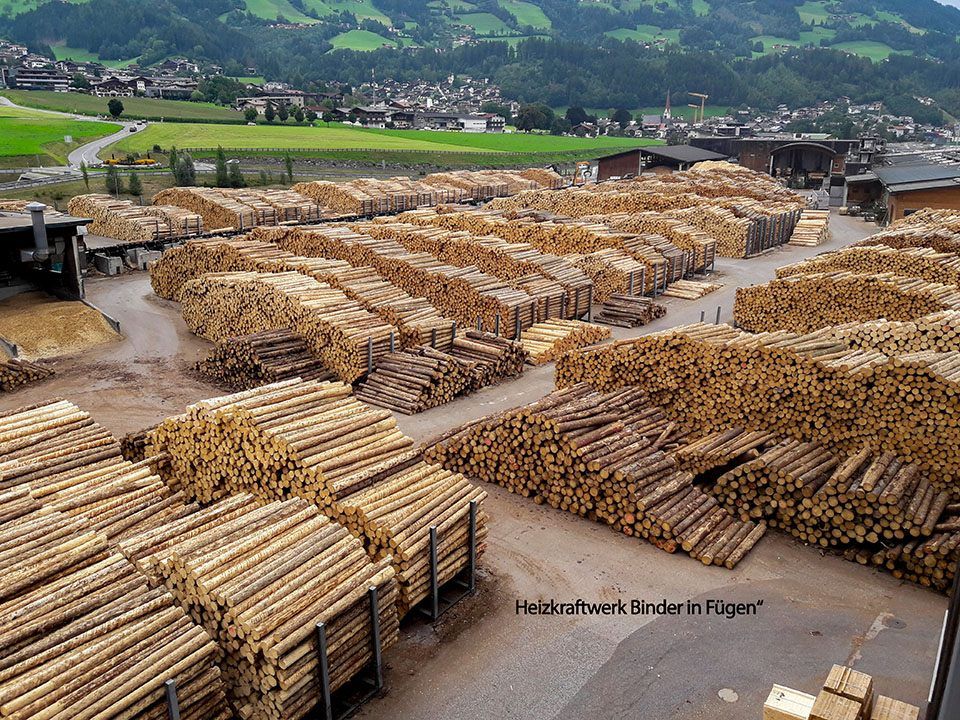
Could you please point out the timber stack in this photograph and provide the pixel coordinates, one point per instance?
(939, 332)
(416, 379)
(701, 245)
(605, 456)
(924, 263)
(629, 311)
(612, 272)
(690, 289)
(546, 341)
(345, 337)
(73, 465)
(811, 387)
(259, 578)
(83, 635)
(17, 372)
(914, 236)
(127, 222)
(804, 303)
(220, 210)
(312, 441)
(812, 229)
(262, 358)
(493, 358)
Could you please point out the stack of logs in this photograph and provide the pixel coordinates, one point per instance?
(345, 337)
(16, 372)
(248, 361)
(629, 311)
(315, 441)
(809, 387)
(546, 341)
(492, 358)
(126, 222)
(690, 289)
(259, 578)
(939, 333)
(812, 229)
(416, 379)
(603, 456)
(81, 632)
(802, 303)
(925, 263)
(612, 272)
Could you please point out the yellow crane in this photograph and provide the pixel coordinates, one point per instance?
(703, 102)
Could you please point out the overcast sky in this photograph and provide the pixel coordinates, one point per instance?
(955, 3)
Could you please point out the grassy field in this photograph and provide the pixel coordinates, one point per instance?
(486, 24)
(526, 13)
(876, 51)
(27, 137)
(645, 34)
(363, 9)
(133, 107)
(62, 52)
(360, 40)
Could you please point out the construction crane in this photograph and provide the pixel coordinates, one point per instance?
(703, 102)
(695, 108)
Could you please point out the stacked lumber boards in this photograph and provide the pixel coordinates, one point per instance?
(847, 694)
(939, 332)
(812, 229)
(82, 634)
(259, 577)
(803, 303)
(548, 340)
(690, 289)
(629, 311)
(924, 263)
(262, 358)
(347, 338)
(73, 465)
(702, 245)
(552, 235)
(605, 456)
(127, 222)
(613, 272)
(462, 294)
(416, 379)
(314, 441)
(517, 264)
(17, 372)
(809, 387)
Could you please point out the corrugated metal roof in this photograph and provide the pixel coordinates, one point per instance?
(683, 153)
(902, 177)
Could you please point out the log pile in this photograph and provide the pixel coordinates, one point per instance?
(220, 208)
(344, 336)
(316, 442)
(812, 229)
(17, 372)
(492, 358)
(602, 456)
(262, 358)
(75, 466)
(416, 379)
(803, 303)
(463, 294)
(939, 332)
(809, 387)
(546, 341)
(259, 579)
(731, 232)
(629, 311)
(690, 289)
(613, 272)
(924, 263)
(82, 634)
(702, 245)
(913, 236)
(127, 222)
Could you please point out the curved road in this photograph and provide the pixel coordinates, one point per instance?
(85, 153)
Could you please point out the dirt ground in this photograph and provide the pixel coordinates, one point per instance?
(483, 660)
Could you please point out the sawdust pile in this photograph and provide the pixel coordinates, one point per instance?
(44, 327)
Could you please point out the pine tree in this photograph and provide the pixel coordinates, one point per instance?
(288, 162)
(113, 181)
(236, 177)
(134, 185)
(223, 180)
(86, 174)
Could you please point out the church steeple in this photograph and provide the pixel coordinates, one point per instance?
(666, 110)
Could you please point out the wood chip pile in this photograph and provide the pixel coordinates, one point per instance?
(546, 341)
(809, 387)
(690, 289)
(462, 294)
(629, 311)
(128, 222)
(16, 372)
(939, 332)
(75, 466)
(248, 361)
(922, 263)
(812, 229)
(803, 303)
(604, 456)
(82, 634)
(346, 338)
(313, 441)
(258, 578)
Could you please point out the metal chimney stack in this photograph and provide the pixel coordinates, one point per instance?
(39, 230)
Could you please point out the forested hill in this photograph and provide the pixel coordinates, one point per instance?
(598, 53)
